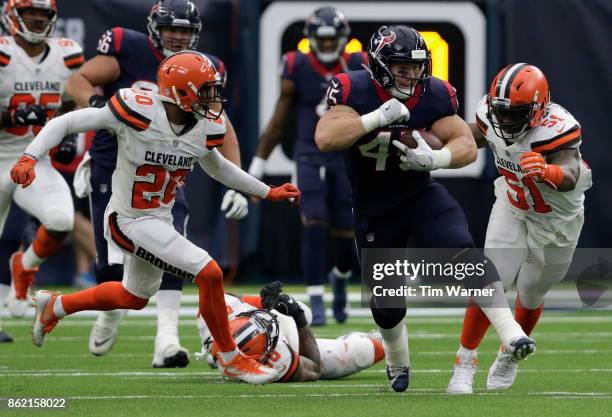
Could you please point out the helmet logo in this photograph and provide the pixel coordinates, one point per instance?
(383, 41)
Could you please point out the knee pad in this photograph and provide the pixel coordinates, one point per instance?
(475, 256)
(388, 318)
(58, 220)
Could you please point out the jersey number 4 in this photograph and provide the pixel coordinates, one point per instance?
(147, 194)
(521, 200)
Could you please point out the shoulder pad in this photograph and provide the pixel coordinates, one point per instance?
(557, 130)
(215, 132)
(71, 51)
(482, 122)
(445, 96)
(133, 107)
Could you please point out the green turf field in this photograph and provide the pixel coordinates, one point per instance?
(570, 375)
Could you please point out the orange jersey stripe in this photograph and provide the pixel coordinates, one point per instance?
(118, 110)
(295, 362)
(74, 62)
(253, 300)
(558, 142)
(481, 126)
(120, 239)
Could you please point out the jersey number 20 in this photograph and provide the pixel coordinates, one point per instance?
(163, 186)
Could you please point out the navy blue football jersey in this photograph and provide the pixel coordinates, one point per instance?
(373, 165)
(311, 78)
(138, 60)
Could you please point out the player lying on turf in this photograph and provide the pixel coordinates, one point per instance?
(539, 208)
(274, 328)
(160, 137)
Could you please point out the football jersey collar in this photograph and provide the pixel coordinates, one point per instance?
(410, 103)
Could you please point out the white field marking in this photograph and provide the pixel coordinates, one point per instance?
(437, 371)
(413, 353)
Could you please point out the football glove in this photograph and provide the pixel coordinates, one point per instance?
(419, 159)
(390, 111)
(35, 115)
(287, 306)
(269, 294)
(23, 171)
(235, 205)
(66, 150)
(534, 166)
(284, 192)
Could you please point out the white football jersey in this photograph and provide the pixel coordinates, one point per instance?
(538, 202)
(285, 358)
(24, 82)
(152, 160)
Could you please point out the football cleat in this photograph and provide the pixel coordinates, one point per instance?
(44, 319)
(522, 347)
(169, 354)
(104, 332)
(339, 303)
(318, 310)
(464, 371)
(399, 377)
(246, 369)
(502, 373)
(21, 281)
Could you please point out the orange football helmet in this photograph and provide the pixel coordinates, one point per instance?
(255, 333)
(190, 80)
(517, 100)
(15, 24)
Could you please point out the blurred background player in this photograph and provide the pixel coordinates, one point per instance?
(538, 213)
(326, 203)
(130, 59)
(33, 68)
(160, 135)
(396, 202)
(280, 336)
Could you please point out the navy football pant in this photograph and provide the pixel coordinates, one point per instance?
(101, 179)
(325, 203)
(431, 219)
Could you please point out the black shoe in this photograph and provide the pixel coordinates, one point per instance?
(399, 377)
(5, 337)
(179, 360)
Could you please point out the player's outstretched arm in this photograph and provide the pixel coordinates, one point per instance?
(456, 134)
(273, 132)
(559, 170)
(231, 176)
(99, 70)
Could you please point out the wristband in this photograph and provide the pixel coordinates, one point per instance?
(442, 158)
(371, 120)
(97, 101)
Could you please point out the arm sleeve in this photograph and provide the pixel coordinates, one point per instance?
(287, 70)
(74, 122)
(338, 90)
(228, 174)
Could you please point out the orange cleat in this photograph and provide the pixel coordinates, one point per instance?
(246, 369)
(22, 280)
(45, 318)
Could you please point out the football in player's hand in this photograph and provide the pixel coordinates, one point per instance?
(432, 140)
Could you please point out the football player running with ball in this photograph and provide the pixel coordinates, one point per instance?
(396, 203)
(154, 157)
(538, 212)
(34, 68)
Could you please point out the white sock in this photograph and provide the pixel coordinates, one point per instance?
(395, 344)
(4, 292)
(500, 315)
(30, 259)
(112, 317)
(168, 305)
(470, 353)
(340, 358)
(227, 357)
